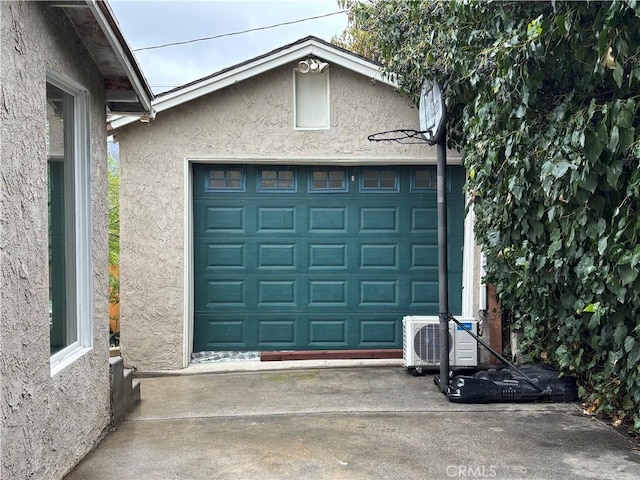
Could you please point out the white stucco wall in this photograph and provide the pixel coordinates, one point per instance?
(251, 120)
(48, 423)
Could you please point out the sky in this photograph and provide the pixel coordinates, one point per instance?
(148, 23)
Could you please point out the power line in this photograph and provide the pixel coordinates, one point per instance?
(238, 33)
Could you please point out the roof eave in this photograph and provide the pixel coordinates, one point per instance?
(106, 20)
(227, 77)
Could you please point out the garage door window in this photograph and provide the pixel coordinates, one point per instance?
(226, 179)
(277, 180)
(379, 180)
(426, 179)
(328, 181)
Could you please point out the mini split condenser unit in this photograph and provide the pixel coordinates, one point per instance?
(421, 342)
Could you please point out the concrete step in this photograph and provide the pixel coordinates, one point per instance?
(125, 390)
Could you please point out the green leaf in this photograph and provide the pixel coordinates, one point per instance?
(590, 183)
(617, 75)
(619, 334)
(627, 274)
(560, 168)
(592, 147)
(614, 138)
(602, 245)
(554, 247)
(629, 342)
(613, 173)
(560, 23)
(592, 307)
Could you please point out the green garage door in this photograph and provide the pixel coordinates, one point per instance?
(304, 258)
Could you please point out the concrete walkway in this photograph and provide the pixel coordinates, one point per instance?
(347, 423)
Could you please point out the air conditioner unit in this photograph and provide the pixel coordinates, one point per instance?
(421, 342)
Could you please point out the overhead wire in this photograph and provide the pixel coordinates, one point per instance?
(202, 39)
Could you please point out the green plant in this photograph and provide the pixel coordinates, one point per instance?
(543, 97)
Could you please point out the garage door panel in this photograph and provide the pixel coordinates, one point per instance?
(327, 220)
(424, 257)
(424, 294)
(221, 293)
(379, 293)
(277, 293)
(325, 293)
(328, 332)
(424, 221)
(280, 332)
(225, 256)
(324, 256)
(277, 256)
(376, 332)
(224, 220)
(276, 219)
(225, 332)
(298, 270)
(379, 219)
(382, 256)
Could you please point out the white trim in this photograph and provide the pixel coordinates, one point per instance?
(80, 267)
(468, 263)
(453, 158)
(310, 47)
(188, 324)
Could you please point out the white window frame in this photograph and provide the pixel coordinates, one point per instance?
(79, 265)
(327, 125)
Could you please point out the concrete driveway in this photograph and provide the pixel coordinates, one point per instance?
(347, 423)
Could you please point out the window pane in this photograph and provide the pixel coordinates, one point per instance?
(425, 178)
(286, 174)
(223, 179)
(380, 179)
(62, 326)
(277, 179)
(71, 305)
(329, 180)
(285, 184)
(371, 179)
(319, 180)
(336, 179)
(387, 179)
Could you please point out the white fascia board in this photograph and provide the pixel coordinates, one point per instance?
(244, 72)
(429, 158)
(122, 57)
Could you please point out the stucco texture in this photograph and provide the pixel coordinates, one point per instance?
(48, 423)
(253, 120)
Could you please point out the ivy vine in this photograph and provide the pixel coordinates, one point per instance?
(543, 98)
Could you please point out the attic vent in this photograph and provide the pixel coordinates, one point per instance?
(311, 100)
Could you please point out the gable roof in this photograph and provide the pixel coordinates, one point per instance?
(308, 46)
(126, 90)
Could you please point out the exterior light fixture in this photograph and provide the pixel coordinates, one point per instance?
(312, 65)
